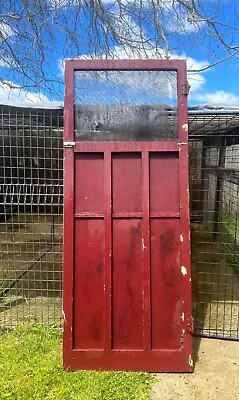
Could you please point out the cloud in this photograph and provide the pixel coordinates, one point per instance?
(219, 97)
(128, 29)
(179, 20)
(6, 30)
(57, 4)
(196, 79)
(20, 97)
(174, 16)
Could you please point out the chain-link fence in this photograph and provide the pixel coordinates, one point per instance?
(31, 201)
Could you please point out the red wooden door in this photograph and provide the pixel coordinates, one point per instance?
(127, 285)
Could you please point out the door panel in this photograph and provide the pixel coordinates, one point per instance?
(89, 182)
(165, 283)
(127, 299)
(89, 284)
(126, 169)
(164, 182)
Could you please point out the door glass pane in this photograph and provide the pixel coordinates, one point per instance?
(125, 105)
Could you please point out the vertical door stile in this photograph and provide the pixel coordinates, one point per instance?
(184, 213)
(146, 250)
(185, 249)
(68, 235)
(68, 281)
(108, 251)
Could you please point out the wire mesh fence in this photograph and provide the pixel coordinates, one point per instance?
(31, 198)
(214, 181)
(31, 201)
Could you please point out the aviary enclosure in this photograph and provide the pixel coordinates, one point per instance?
(31, 207)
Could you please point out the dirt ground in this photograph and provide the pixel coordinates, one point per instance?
(30, 265)
(215, 376)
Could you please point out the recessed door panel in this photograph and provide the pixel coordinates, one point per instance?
(126, 169)
(165, 283)
(127, 299)
(89, 182)
(164, 182)
(88, 299)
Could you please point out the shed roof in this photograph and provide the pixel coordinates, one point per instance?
(207, 121)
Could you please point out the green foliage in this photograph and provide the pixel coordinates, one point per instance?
(30, 368)
(231, 224)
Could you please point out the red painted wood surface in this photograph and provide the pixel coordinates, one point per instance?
(127, 299)
(89, 182)
(127, 287)
(166, 305)
(88, 313)
(164, 182)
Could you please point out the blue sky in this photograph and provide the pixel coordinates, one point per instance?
(218, 85)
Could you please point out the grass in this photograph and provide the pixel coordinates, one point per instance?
(231, 224)
(31, 368)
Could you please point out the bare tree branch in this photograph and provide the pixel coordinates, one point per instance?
(35, 34)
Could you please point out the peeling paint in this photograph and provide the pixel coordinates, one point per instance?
(64, 316)
(181, 238)
(69, 144)
(190, 279)
(143, 245)
(190, 361)
(182, 317)
(182, 337)
(182, 143)
(184, 270)
(185, 127)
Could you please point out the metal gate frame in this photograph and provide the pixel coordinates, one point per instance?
(165, 360)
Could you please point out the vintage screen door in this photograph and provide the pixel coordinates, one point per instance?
(127, 285)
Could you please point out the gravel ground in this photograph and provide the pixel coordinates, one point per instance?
(215, 376)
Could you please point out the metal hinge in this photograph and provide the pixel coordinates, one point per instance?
(189, 324)
(186, 88)
(69, 144)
